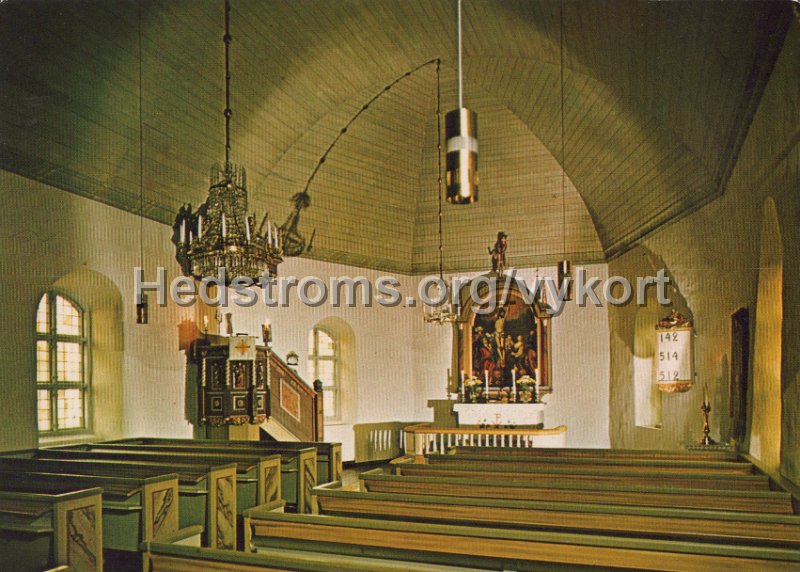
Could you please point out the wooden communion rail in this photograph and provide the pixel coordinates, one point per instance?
(424, 439)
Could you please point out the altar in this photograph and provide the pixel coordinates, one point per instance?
(512, 415)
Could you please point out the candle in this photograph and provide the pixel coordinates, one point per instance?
(224, 228)
(205, 323)
(705, 393)
(247, 227)
(462, 383)
(269, 232)
(200, 226)
(513, 383)
(486, 379)
(183, 231)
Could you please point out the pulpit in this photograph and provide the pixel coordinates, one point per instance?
(237, 385)
(233, 380)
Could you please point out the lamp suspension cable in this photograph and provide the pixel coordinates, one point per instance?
(564, 265)
(141, 306)
(141, 146)
(460, 68)
(227, 112)
(563, 146)
(439, 158)
(444, 313)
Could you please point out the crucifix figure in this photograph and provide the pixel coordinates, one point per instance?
(498, 253)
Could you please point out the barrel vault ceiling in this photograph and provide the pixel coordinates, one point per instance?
(658, 97)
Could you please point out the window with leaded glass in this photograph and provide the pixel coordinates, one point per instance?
(323, 356)
(61, 373)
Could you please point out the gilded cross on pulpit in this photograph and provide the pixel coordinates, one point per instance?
(243, 347)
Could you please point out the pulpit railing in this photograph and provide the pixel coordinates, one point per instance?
(423, 438)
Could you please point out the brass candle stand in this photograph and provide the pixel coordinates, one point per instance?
(706, 440)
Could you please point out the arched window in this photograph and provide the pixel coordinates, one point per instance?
(62, 377)
(324, 362)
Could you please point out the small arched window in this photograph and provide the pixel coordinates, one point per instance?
(62, 379)
(324, 363)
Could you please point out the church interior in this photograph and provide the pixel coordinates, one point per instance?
(481, 145)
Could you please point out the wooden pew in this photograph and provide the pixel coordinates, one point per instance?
(538, 476)
(257, 479)
(170, 557)
(206, 494)
(506, 549)
(298, 467)
(134, 509)
(772, 502)
(599, 465)
(619, 454)
(41, 531)
(645, 522)
(329, 455)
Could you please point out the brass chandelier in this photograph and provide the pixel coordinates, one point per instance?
(221, 234)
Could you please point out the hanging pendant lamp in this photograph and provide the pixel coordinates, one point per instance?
(461, 129)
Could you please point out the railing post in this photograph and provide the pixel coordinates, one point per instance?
(319, 417)
(419, 447)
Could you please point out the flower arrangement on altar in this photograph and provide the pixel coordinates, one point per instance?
(473, 388)
(526, 388)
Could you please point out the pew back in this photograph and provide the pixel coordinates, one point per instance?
(537, 476)
(329, 455)
(774, 502)
(645, 522)
(508, 549)
(298, 468)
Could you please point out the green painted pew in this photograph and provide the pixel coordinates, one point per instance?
(206, 492)
(765, 501)
(631, 466)
(134, 509)
(506, 549)
(298, 466)
(617, 454)
(257, 480)
(753, 529)
(329, 455)
(539, 476)
(40, 531)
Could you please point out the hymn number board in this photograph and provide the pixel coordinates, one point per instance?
(674, 354)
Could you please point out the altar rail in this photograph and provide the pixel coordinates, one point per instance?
(424, 438)
(380, 441)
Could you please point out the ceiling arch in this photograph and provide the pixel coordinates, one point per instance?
(658, 97)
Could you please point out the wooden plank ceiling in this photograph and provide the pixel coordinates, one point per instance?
(657, 100)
